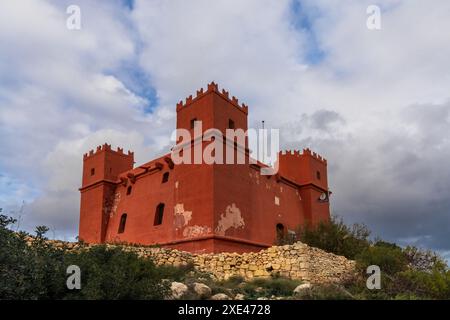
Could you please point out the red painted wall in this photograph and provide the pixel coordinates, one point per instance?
(207, 208)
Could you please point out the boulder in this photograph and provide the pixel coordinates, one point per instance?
(202, 290)
(302, 288)
(178, 289)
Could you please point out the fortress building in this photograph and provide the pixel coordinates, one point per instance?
(201, 207)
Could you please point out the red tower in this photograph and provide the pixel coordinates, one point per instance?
(201, 207)
(100, 172)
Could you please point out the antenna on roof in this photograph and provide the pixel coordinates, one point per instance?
(263, 144)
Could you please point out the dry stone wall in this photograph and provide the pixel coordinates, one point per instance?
(297, 261)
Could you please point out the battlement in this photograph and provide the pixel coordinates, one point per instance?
(305, 152)
(213, 87)
(107, 147)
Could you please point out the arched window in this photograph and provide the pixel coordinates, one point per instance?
(165, 177)
(123, 221)
(129, 190)
(159, 214)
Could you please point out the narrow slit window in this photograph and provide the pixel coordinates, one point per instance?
(129, 189)
(230, 124)
(318, 175)
(92, 171)
(123, 221)
(165, 177)
(159, 214)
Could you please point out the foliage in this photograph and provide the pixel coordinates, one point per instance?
(423, 260)
(111, 273)
(178, 274)
(406, 273)
(38, 270)
(390, 258)
(267, 287)
(334, 236)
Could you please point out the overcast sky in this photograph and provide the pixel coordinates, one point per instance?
(375, 103)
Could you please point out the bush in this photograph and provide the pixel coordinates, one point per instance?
(111, 273)
(267, 287)
(178, 274)
(424, 260)
(38, 271)
(390, 258)
(422, 284)
(29, 272)
(336, 237)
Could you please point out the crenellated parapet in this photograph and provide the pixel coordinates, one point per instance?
(213, 87)
(304, 152)
(107, 147)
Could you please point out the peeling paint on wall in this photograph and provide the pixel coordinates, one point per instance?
(110, 204)
(231, 219)
(195, 231)
(115, 204)
(181, 221)
(181, 217)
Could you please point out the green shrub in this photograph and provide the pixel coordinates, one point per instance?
(390, 258)
(178, 274)
(38, 271)
(29, 272)
(267, 287)
(336, 237)
(423, 284)
(111, 273)
(424, 260)
(232, 282)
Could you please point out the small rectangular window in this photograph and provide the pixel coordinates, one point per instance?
(230, 124)
(165, 177)
(318, 175)
(92, 171)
